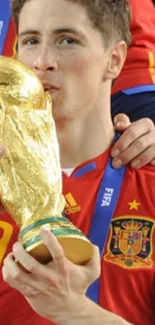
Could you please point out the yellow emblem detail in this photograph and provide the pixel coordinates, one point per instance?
(134, 205)
(130, 242)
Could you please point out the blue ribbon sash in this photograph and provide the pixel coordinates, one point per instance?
(106, 202)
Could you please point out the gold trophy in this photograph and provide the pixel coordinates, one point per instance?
(30, 172)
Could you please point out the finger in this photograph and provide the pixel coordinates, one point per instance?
(41, 273)
(141, 151)
(54, 247)
(11, 269)
(133, 133)
(27, 261)
(94, 265)
(144, 158)
(17, 279)
(121, 122)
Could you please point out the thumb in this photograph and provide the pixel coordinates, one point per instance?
(121, 122)
(94, 265)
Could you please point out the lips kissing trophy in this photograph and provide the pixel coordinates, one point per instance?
(30, 172)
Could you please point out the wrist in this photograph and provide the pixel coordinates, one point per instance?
(84, 311)
(75, 311)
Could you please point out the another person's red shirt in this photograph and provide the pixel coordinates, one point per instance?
(139, 68)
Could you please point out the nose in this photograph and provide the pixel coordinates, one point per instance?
(45, 62)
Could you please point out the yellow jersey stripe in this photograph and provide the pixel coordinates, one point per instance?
(70, 200)
(152, 65)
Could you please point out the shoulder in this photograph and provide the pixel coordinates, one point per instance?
(145, 171)
(143, 179)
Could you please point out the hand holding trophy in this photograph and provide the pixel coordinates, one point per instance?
(30, 172)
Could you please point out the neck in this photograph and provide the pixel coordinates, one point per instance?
(85, 138)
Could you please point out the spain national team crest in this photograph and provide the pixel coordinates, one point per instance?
(130, 242)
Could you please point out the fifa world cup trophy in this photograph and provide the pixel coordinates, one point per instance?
(30, 171)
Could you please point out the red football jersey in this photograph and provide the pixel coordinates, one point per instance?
(14, 309)
(139, 68)
(127, 281)
(128, 265)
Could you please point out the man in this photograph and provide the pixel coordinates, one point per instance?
(77, 48)
(134, 91)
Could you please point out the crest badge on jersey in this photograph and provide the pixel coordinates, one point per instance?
(130, 242)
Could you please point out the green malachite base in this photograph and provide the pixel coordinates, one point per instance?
(39, 223)
(57, 233)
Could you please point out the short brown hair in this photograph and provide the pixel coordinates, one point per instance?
(110, 17)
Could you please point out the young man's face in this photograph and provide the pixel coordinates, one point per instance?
(57, 40)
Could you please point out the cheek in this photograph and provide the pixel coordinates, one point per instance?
(83, 78)
(26, 58)
(78, 66)
(85, 68)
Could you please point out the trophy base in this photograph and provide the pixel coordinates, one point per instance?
(77, 247)
(78, 250)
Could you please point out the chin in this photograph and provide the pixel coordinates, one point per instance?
(58, 115)
(60, 118)
(58, 109)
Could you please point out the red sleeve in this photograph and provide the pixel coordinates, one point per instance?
(139, 68)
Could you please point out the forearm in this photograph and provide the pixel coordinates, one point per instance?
(89, 313)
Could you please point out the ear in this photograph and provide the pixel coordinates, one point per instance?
(116, 58)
